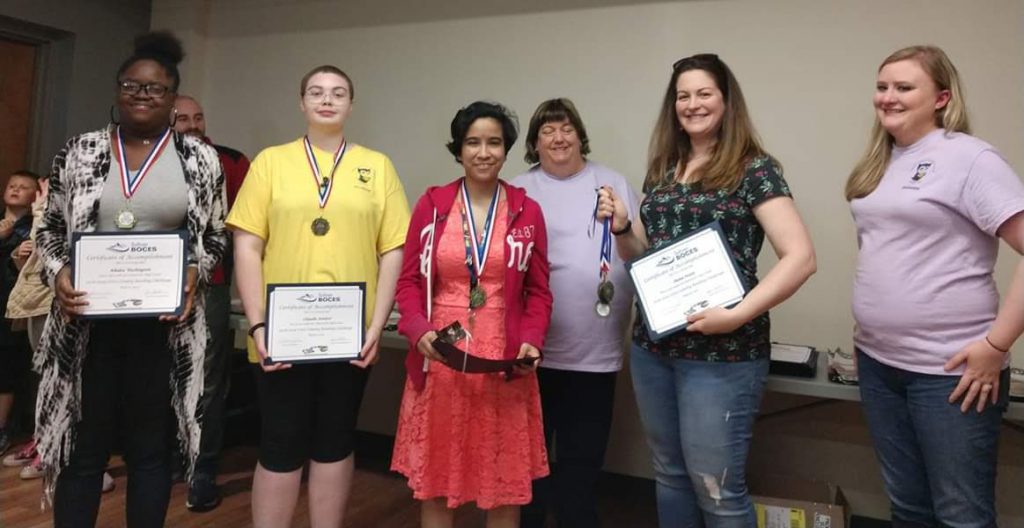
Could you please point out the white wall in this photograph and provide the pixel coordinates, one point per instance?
(807, 69)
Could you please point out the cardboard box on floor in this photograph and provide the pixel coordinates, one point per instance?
(792, 502)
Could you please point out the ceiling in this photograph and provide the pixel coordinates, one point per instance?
(260, 16)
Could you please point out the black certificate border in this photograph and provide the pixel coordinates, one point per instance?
(715, 226)
(181, 233)
(267, 317)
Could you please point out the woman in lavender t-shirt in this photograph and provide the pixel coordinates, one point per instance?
(931, 203)
(583, 347)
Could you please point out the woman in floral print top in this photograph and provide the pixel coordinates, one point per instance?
(698, 391)
(668, 212)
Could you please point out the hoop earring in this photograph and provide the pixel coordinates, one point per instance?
(114, 119)
(174, 117)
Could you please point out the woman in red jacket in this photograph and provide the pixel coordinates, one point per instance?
(474, 437)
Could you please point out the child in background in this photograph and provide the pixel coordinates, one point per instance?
(15, 226)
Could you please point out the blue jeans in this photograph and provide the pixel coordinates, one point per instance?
(938, 464)
(699, 418)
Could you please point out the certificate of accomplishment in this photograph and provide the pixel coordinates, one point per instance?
(309, 323)
(694, 273)
(130, 274)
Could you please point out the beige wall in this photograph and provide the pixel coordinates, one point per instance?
(807, 69)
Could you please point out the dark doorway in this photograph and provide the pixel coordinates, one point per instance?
(17, 87)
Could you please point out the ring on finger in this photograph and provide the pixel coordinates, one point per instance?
(986, 386)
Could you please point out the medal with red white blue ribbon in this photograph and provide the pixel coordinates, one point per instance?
(476, 249)
(605, 289)
(324, 184)
(129, 184)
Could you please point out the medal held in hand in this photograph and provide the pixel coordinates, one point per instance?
(324, 184)
(476, 247)
(605, 290)
(125, 218)
(605, 294)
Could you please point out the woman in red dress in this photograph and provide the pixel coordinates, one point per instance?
(476, 253)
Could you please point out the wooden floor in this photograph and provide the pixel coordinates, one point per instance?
(380, 499)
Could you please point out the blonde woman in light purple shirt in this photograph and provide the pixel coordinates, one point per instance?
(931, 203)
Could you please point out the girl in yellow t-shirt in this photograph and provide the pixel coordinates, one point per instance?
(316, 210)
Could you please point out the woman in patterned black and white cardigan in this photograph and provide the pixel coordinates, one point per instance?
(94, 370)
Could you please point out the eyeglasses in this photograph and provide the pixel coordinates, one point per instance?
(134, 87)
(319, 94)
(694, 59)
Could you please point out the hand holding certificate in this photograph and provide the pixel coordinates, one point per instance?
(310, 323)
(695, 273)
(129, 274)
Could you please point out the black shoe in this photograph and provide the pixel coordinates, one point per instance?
(203, 494)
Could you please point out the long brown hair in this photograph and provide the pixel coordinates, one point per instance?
(737, 141)
(952, 117)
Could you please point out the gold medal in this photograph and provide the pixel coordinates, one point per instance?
(324, 183)
(320, 226)
(125, 219)
(477, 297)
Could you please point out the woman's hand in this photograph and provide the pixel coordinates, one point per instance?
(426, 347)
(70, 300)
(611, 206)
(980, 380)
(368, 355)
(714, 321)
(259, 338)
(191, 276)
(527, 351)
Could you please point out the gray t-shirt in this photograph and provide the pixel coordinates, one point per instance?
(160, 203)
(578, 339)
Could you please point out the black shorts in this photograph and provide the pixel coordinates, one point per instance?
(308, 412)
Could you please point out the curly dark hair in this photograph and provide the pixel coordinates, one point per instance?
(161, 47)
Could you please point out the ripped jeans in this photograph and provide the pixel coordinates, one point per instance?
(699, 418)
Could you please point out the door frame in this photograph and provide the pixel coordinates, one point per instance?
(51, 95)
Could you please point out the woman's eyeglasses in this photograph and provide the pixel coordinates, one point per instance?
(134, 87)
